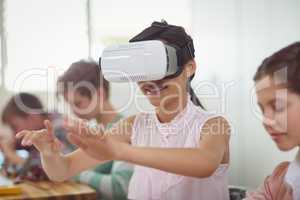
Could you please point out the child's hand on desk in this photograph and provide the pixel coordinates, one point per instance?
(7, 142)
(93, 141)
(44, 140)
(7, 146)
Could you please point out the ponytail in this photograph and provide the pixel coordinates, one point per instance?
(193, 95)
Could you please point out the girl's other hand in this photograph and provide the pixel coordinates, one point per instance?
(93, 141)
(44, 140)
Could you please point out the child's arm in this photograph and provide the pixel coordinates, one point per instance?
(57, 166)
(8, 148)
(196, 162)
(115, 184)
(9, 151)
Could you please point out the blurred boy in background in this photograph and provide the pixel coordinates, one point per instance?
(25, 111)
(84, 88)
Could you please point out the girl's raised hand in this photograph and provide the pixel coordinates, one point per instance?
(44, 140)
(93, 141)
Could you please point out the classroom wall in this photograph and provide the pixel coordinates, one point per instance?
(232, 38)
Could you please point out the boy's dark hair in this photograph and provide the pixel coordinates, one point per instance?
(22, 105)
(83, 71)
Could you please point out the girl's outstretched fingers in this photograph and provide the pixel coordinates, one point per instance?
(79, 127)
(77, 140)
(49, 128)
(44, 140)
(21, 134)
(72, 125)
(58, 145)
(27, 139)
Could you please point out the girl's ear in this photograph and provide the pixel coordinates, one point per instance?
(190, 68)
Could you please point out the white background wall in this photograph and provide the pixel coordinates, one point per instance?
(231, 39)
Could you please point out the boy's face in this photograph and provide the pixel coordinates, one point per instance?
(30, 122)
(83, 106)
(281, 112)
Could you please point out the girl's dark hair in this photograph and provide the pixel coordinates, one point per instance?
(285, 62)
(177, 37)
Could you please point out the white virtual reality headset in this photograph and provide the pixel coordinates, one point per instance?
(139, 61)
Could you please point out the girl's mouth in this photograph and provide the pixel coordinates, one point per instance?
(277, 136)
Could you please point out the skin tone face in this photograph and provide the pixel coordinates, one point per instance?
(281, 112)
(96, 107)
(83, 106)
(29, 122)
(167, 95)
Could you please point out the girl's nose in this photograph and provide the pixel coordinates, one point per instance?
(268, 119)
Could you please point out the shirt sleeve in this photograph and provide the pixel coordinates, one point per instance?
(113, 185)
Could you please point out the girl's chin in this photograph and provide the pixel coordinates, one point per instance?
(285, 147)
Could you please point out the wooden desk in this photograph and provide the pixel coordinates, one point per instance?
(53, 191)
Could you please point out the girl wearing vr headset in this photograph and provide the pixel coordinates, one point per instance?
(278, 94)
(179, 152)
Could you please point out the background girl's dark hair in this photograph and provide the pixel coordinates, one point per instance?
(286, 59)
(177, 37)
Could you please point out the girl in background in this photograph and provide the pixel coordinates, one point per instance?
(278, 93)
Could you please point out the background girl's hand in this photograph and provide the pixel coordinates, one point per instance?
(44, 140)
